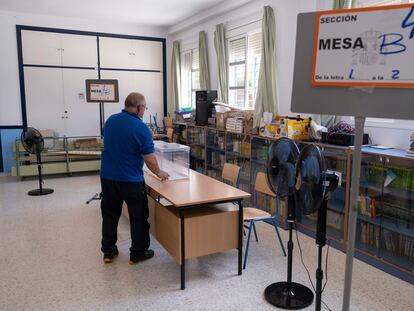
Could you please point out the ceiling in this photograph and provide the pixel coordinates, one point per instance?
(144, 12)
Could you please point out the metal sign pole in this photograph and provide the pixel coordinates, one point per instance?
(353, 213)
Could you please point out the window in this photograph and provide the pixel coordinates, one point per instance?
(244, 64)
(190, 77)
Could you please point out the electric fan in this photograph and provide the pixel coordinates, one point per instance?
(281, 175)
(313, 185)
(33, 143)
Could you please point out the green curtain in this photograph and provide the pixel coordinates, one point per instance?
(266, 99)
(176, 76)
(222, 63)
(203, 56)
(343, 4)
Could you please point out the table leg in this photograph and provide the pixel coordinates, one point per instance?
(182, 250)
(240, 248)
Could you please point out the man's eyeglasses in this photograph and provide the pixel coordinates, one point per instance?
(145, 107)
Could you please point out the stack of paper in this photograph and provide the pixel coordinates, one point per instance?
(410, 153)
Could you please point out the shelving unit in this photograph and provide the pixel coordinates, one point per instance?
(215, 152)
(60, 156)
(380, 239)
(385, 230)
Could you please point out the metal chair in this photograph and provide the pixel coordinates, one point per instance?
(252, 215)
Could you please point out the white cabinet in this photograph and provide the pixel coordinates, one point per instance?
(79, 51)
(125, 86)
(147, 55)
(55, 98)
(44, 100)
(41, 48)
(81, 118)
(56, 49)
(150, 84)
(115, 53)
(130, 54)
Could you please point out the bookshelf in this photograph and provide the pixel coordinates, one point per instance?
(215, 152)
(196, 140)
(385, 227)
(385, 230)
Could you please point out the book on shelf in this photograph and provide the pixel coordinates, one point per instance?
(367, 206)
(369, 234)
(397, 244)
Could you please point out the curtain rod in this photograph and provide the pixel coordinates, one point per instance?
(244, 25)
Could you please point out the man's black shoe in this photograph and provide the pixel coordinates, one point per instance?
(109, 257)
(136, 258)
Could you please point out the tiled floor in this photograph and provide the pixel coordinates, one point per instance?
(50, 260)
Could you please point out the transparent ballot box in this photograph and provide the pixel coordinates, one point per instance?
(172, 158)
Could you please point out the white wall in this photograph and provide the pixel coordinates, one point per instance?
(10, 107)
(395, 135)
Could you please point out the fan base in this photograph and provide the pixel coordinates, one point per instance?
(37, 192)
(298, 297)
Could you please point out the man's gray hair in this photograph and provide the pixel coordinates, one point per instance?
(134, 100)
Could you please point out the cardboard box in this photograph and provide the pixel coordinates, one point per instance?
(291, 128)
(296, 129)
(47, 133)
(87, 143)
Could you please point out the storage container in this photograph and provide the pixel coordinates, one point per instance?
(172, 158)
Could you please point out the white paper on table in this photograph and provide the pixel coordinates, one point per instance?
(267, 117)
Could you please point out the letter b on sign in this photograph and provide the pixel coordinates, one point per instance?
(391, 44)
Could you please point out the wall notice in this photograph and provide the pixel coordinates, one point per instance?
(365, 47)
(102, 91)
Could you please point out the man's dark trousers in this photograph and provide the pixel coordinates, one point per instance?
(114, 193)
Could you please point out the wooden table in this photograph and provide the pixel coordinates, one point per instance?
(197, 192)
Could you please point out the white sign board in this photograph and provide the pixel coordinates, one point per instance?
(102, 91)
(369, 47)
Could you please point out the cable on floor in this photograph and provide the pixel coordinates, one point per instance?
(307, 270)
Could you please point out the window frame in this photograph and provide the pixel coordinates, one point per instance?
(190, 74)
(246, 36)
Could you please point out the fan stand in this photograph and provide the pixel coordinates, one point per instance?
(41, 190)
(321, 241)
(289, 295)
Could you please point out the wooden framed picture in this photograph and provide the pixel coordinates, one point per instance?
(102, 91)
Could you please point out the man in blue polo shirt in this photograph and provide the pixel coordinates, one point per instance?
(127, 145)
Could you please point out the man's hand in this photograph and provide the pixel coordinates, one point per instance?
(151, 162)
(163, 175)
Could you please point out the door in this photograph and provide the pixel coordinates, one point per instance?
(79, 50)
(41, 48)
(44, 101)
(82, 118)
(115, 53)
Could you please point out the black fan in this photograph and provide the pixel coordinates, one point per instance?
(313, 186)
(33, 143)
(281, 178)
